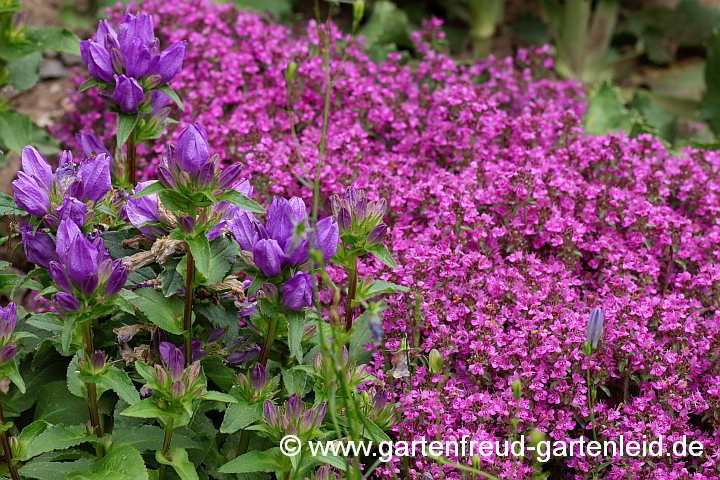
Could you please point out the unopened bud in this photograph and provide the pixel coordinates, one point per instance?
(436, 361)
(290, 72)
(358, 12)
(517, 389)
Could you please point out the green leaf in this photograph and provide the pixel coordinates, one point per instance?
(223, 253)
(378, 287)
(121, 463)
(218, 397)
(178, 459)
(116, 380)
(164, 312)
(237, 198)
(124, 127)
(39, 39)
(149, 437)
(167, 90)
(44, 470)
(23, 72)
(172, 280)
(11, 371)
(240, 415)
(361, 336)
(58, 437)
(278, 8)
(268, 461)
(296, 324)
(200, 248)
(214, 368)
(381, 253)
(295, 381)
(144, 409)
(50, 322)
(606, 112)
(57, 405)
(386, 24)
(90, 83)
(17, 130)
(149, 190)
(8, 207)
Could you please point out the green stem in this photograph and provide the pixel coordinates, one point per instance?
(6, 449)
(352, 288)
(91, 388)
(591, 403)
(166, 446)
(131, 154)
(265, 354)
(187, 313)
(244, 442)
(326, 114)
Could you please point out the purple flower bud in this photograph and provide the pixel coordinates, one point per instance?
(97, 59)
(117, 60)
(178, 389)
(7, 354)
(344, 219)
(67, 302)
(36, 166)
(206, 175)
(270, 413)
(187, 223)
(326, 237)
(128, 94)
(39, 246)
(160, 375)
(377, 234)
(143, 210)
(323, 472)
(171, 61)
(307, 420)
(295, 406)
(138, 60)
(77, 189)
(31, 195)
(320, 412)
(377, 330)
(216, 334)
(97, 361)
(229, 176)
(297, 251)
(95, 175)
(193, 150)
(116, 280)
(82, 260)
(8, 319)
(72, 209)
(258, 377)
(244, 227)
(595, 326)
(165, 177)
(194, 374)
(89, 285)
(350, 195)
(174, 359)
(268, 256)
(360, 208)
(138, 26)
(297, 292)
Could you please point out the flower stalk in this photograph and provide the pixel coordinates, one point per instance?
(352, 289)
(167, 440)
(91, 388)
(187, 313)
(265, 354)
(131, 160)
(6, 449)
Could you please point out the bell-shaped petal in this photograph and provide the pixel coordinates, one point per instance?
(91, 145)
(8, 319)
(138, 60)
(98, 60)
(82, 260)
(377, 234)
(205, 177)
(31, 195)
(138, 26)
(143, 210)
(297, 209)
(297, 292)
(39, 247)
(89, 285)
(327, 234)
(171, 61)
(67, 232)
(60, 276)
(297, 251)
(106, 34)
(35, 165)
(268, 256)
(67, 302)
(279, 221)
(72, 209)
(244, 227)
(95, 175)
(193, 151)
(229, 176)
(128, 93)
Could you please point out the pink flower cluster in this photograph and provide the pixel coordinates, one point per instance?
(508, 223)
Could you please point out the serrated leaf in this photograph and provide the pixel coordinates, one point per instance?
(295, 381)
(144, 409)
(121, 463)
(149, 190)
(240, 200)
(167, 90)
(45, 470)
(50, 322)
(296, 324)
(178, 459)
(164, 312)
(240, 415)
(124, 127)
(56, 405)
(218, 397)
(200, 248)
(383, 254)
(268, 461)
(58, 437)
(214, 368)
(150, 437)
(223, 254)
(116, 380)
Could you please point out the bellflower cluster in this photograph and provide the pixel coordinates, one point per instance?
(173, 382)
(8, 319)
(360, 219)
(258, 387)
(129, 61)
(65, 194)
(293, 418)
(83, 269)
(281, 245)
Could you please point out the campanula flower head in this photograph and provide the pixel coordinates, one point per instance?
(59, 195)
(129, 60)
(172, 380)
(360, 219)
(294, 418)
(83, 269)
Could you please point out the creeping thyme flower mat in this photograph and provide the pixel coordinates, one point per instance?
(348, 240)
